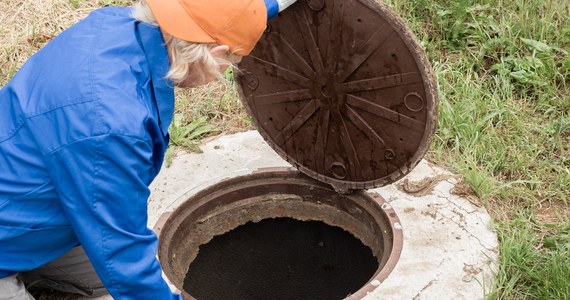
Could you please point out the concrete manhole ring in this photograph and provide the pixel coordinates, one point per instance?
(278, 193)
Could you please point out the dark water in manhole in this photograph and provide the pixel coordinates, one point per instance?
(280, 259)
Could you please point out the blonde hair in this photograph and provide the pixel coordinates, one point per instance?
(188, 60)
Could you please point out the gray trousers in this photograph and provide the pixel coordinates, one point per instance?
(71, 273)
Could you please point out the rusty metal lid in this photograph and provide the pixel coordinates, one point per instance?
(343, 91)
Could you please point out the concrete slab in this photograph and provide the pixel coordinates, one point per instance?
(449, 246)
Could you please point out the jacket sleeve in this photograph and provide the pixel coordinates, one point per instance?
(103, 186)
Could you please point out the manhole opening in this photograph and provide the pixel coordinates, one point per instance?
(257, 237)
(280, 258)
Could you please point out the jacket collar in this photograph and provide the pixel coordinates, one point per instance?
(155, 50)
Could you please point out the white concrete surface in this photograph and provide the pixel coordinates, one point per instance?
(449, 246)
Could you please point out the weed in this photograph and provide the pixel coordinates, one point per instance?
(535, 71)
(462, 24)
(187, 134)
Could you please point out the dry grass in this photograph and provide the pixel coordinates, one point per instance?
(219, 102)
(25, 26)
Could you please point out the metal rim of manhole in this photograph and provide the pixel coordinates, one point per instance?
(276, 193)
(343, 91)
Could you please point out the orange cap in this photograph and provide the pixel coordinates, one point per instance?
(236, 23)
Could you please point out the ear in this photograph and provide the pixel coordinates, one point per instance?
(220, 51)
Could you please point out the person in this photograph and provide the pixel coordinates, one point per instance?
(83, 132)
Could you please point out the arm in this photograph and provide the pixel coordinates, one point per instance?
(103, 186)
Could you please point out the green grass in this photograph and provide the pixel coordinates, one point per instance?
(503, 72)
(535, 265)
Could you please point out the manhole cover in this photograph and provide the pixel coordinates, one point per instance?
(343, 91)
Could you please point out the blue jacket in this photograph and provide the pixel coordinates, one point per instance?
(83, 132)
